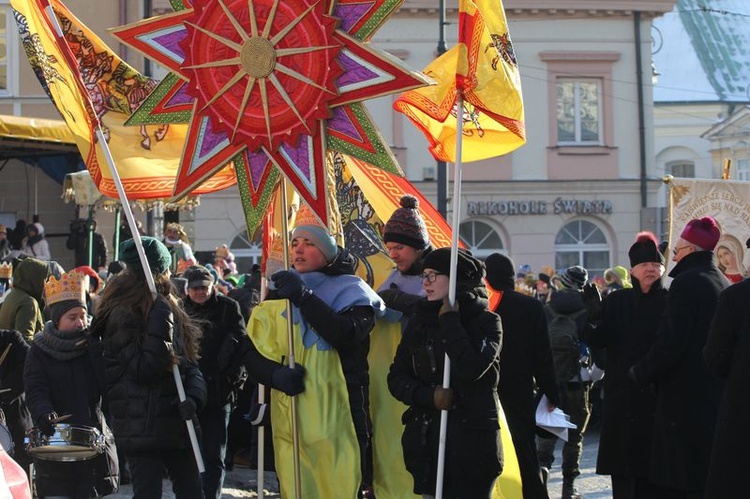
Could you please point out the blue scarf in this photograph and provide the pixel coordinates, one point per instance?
(340, 292)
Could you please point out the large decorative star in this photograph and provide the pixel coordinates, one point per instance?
(270, 85)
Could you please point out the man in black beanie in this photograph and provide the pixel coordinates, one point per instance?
(625, 324)
(525, 357)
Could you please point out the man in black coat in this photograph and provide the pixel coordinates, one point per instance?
(727, 354)
(223, 329)
(525, 358)
(81, 232)
(625, 324)
(687, 393)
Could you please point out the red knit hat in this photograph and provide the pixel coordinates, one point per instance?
(704, 233)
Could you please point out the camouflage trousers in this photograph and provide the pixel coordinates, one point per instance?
(574, 401)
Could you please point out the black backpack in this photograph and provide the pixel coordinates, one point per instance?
(565, 344)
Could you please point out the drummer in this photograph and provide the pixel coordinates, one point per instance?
(61, 378)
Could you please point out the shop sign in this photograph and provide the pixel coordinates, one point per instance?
(558, 206)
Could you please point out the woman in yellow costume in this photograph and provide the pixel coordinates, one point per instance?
(333, 313)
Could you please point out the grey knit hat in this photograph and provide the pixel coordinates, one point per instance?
(574, 277)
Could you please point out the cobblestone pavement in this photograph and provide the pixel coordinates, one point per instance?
(241, 482)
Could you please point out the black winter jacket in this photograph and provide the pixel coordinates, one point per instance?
(472, 340)
(627, 330)
(223, 328)
(140, 387)
(687, 393)
(727, 354)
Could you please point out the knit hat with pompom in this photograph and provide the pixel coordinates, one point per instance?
(406, 225)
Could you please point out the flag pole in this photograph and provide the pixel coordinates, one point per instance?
(290, 340)
(261, 445)
(65, 50)
(456, 206)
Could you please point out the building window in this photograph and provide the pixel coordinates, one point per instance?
(743, 169)
(578, 111)
(480, 238)
(682, 169)
(6, 22)
(246, 251)
(582, 243)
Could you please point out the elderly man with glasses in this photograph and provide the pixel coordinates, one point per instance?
(687, 394)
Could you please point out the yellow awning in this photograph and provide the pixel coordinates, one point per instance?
(21, 128)
(21, 137)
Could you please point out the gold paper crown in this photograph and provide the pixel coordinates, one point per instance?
(6, 270)
(71, 286)
(305, 216)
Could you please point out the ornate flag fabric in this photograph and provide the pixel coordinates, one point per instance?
(726, 201)
(147, 157)
(483, 67)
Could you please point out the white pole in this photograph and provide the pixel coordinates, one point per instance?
(261, 445)
(290, 341)
(52, 17)
(456, 206)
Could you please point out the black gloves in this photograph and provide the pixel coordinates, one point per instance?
(592, 300)
(289, 285)
(390, 296)
(187, 409)
(443, 398)
(47, 423)
(288, 380)
(396, 299)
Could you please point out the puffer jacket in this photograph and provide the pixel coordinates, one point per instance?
(223, 331)
(140, 388)
(472, 340)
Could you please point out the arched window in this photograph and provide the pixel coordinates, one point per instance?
(480, 238)
(246, 251)
(582, 243)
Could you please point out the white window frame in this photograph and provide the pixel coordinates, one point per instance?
(254, 252)
(11, 46)
(743, 169)
(475, 246)
(577, 141)
(581, 247)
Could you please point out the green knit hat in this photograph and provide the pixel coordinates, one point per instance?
(157, 255)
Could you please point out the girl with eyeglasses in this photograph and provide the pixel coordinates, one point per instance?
(471, 337)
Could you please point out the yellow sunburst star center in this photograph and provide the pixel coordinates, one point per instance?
(258, 57)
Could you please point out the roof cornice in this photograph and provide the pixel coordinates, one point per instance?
(574, 9)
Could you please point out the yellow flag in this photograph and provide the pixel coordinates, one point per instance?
(89, 83)
(483, 67)
(329, 452)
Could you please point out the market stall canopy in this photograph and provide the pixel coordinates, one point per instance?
(47, 144)
(21, 137)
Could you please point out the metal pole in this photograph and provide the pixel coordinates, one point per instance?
(451, 288)
(261, 446)
(442, 167)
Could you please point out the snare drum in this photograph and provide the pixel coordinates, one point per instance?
(68, 443)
